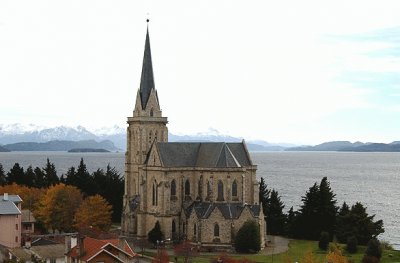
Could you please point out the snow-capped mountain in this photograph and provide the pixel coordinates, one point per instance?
(14, 133)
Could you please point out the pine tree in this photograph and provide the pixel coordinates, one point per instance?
(3, 178)
(39, 180)
(248, 238)
(29, 176)
(327, 209)
(264, 196)
(276, 219)
(16, 175)
(308, 215)
(155, 234)
(50, 174)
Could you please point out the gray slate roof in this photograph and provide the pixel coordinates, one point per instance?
(228, 210)
(203, 154)
(147, 78)
(8, 208)
(12, 198)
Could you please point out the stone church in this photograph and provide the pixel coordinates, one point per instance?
(199, 191)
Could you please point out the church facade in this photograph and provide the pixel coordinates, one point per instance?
(202, 192)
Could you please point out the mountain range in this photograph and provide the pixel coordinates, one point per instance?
(346, 146)
(17, 137)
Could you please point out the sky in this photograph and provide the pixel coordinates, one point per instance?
(300, 72)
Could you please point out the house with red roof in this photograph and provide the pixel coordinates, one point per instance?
(90, 249)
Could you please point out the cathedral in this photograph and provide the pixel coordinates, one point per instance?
(199, 191)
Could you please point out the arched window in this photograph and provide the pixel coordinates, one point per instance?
(173, 188)
(234, 189)
(220, 191)
(199, 188)
(151, 112)
(216, 230)
(195, 229)
(154, 194)
(209, 189)
(173, 226)
(187, 187)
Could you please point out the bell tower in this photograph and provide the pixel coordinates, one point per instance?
(145, 127)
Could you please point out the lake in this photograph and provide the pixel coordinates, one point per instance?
(371, 178)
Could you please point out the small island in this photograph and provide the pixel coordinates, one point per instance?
(88, 150)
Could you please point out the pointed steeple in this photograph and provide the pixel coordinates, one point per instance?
(147, 78)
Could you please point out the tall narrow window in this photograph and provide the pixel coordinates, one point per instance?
(150, 137)
(234, 189)
(195, 230)
(187, 187)
(173, 188)
(154, 194)
(173, 226)
(209, 192)
(151, 112)
(220, 191)
(199, 188)
(216, 230)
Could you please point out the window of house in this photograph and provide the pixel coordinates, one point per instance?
(220, 191)
(16, 239)
(234, 189)
(187, 187)
(173, 188)
(216, 230)
(16, 226)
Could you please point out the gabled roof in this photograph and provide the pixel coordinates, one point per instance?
(43, 242)
(93, 247)
(8, 208)
(228, 210)
(203, 154)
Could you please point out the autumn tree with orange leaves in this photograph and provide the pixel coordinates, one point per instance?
(94, 211)
(187, 250)
(29, 195)
(56, 209)
(335, 256)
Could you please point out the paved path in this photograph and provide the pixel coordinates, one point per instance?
(276, 245)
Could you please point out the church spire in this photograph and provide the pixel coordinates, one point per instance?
(147, 78)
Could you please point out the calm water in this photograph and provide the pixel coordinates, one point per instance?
(371, 178)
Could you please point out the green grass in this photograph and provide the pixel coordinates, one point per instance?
(297, 249)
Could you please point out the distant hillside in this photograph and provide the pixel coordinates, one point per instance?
(375, 147)
(87, 150)
(2, 149)
(327, 146)
(60, 145)
(345, 146)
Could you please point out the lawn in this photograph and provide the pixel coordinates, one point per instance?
(297, 250)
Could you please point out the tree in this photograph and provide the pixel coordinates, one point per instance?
(16, 174)
(318, 212)
(94, 211)
(309, 257)
(290, 227)
(352, 244)
(39, 180)
(356, 222)
(29, 176)
(336, 256)
(50, 174)
(161, 257)
(248, 238)
(374, 248)
(276, 219)
(264, 196)
(324, 241)
(29, 195)
(155, 234)
(187, 250)
(3, 179)
(56, 209)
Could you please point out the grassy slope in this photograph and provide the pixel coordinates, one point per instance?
(297, 249)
